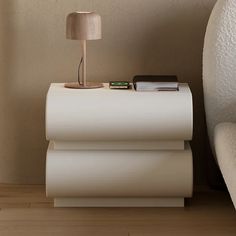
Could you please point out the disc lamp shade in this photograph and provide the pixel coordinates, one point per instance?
(83, 26)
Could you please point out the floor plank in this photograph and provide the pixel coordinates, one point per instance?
(26, 211)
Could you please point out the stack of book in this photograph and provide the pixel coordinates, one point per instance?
(155, 83)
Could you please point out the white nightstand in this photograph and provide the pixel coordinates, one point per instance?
(118, 147)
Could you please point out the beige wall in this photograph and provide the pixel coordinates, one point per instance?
(139, 37)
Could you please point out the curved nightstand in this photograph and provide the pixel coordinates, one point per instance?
(119, 147)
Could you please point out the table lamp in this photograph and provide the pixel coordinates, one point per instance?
(83, 26)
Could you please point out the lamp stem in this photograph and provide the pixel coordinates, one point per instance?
(83, 84)
(84, 64)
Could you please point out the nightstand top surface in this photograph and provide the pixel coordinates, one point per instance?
(59, 89)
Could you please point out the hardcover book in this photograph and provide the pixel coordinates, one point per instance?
(155, 82)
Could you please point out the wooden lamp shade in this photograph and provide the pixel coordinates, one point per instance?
(83, 26)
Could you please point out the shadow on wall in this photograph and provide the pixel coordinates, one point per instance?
(35, 54)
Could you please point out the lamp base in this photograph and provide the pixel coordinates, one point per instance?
(89, 85)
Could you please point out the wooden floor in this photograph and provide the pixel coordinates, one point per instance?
(26, 211)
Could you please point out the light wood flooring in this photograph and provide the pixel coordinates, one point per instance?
(24, 210)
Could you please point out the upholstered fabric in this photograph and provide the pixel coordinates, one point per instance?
(219, 65)
(225, 147)
(219, 82)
